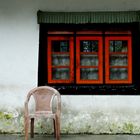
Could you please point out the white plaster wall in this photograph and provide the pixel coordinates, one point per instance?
(19, 41)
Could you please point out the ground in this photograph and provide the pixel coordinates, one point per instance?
(73, 137)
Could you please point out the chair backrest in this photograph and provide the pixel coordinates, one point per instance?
(44, 96)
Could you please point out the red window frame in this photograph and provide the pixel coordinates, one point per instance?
(103, 72)
(107, 65)
(100, 57)
(49, 59)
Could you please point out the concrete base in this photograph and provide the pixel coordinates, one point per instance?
(73, 137)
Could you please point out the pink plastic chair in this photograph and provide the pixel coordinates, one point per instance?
(43, 97)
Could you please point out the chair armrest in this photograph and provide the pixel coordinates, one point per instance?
(58, 111)
(26, 112)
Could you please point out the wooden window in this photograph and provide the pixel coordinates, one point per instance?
(83, 62)
(60, 60)
(89, 67)
(118, 60)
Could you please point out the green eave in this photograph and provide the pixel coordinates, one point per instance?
(88, 17)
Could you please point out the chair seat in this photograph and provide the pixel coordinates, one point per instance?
(45, 114)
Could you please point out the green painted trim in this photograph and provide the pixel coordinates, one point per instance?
(88, 17)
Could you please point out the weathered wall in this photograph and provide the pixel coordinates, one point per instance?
(19, 41)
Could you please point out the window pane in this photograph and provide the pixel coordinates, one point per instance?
(60, 73)
(118, 60)
(89, 60)
(89, 45)
(118, 46)
(60, 46)
(89, 73)
(60, 60)
(118, 73)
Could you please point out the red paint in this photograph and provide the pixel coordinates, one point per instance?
(107, 65)
(49, 59)
(100, 58)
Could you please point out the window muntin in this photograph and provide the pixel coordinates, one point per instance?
(60, 59)
(118, 65)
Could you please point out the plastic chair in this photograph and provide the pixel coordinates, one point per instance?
(44, 97)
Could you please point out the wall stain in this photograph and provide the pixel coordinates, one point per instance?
(74, 121)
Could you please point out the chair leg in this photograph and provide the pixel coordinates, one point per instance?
(32, 127)
(26, 126)
(58, 128)
(54, 127)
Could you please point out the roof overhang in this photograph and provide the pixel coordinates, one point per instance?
(88, 17)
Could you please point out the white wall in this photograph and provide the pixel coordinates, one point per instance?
(19, 43)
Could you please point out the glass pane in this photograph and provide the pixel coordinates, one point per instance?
(89, 60)
(60, 73)
(89, 45)
(118, 60)
(60, 46)
(118, 74)
(60, 60)
(89, 73)
(118, 46)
